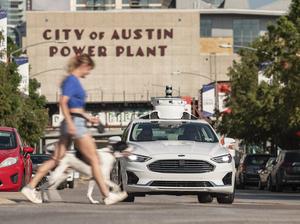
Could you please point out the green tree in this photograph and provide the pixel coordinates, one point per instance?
(26, 113)
(264, 112)
(34, 118)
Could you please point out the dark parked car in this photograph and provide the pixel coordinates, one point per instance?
(37, 160)
(286, 171)
(247, 172)
(264, 173)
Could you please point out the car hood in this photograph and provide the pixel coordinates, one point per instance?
(178, 147)
(8, 153)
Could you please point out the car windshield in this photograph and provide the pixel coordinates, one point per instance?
(257, 160)
(7, 140)
(38, 159)
(172, 131)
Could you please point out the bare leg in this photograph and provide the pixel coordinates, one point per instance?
(59, 152)
(87, 148)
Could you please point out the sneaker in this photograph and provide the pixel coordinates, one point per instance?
(114, 198)
(31, 195)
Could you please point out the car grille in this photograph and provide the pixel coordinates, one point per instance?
(181, 166)
(181, 184)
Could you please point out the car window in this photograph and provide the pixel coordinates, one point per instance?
(7, 140)
(292, 157)
(172, 131)
(38, 159)
(256, 160)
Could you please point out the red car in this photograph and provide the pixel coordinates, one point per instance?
(15, 162)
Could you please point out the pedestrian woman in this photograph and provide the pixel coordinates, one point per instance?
(72, 103)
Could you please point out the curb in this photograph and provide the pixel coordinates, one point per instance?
(10, 197)
(4, 201)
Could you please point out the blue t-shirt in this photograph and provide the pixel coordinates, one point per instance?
(72, 88)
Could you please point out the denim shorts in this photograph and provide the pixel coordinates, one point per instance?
(80, 125)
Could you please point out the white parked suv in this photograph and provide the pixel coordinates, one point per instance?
(176, 156)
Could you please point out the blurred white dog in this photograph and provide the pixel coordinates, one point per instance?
(107, 158)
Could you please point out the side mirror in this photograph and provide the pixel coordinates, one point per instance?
(28, 149)
(114, 139)
(229, 142)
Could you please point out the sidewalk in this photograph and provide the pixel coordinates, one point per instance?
(11, 197)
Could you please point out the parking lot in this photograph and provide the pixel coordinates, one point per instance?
(250, 206)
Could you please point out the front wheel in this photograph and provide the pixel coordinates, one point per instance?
(130, 198)
(270, 186)
(205, 198)
(71, 184)
(225, 199)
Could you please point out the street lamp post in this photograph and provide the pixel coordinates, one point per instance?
(33, 45)
(240, 46)
(215, 80)
(45, 71)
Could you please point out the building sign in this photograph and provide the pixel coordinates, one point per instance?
(23, 70)
(108, 119)
(122, 119)
(3, 30)
(208, 100)
(117, 37)
(261, 73)
(224, 90)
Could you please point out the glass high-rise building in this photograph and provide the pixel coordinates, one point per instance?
(15, 17)
(115, 4)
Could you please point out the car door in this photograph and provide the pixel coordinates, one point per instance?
(26, 161)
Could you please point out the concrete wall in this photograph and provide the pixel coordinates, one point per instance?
(124, 77)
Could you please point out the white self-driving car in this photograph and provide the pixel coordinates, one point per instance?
(176, 156)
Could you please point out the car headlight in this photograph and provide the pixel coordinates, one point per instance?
(9, 161)
(223, 159)
(138, 158)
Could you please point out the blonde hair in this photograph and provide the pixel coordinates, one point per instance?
(78, 60)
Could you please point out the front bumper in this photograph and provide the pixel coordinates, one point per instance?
(178, 190)
(11, 178)
(193, 183)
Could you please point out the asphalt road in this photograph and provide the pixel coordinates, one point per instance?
(251, 206)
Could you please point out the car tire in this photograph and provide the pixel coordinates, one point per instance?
(294, 188)
(130, 198)
(116, 177)
(71, 184)
(225, 199)
(241, 184)
(205, 198)
(278, 186)
(270, 186)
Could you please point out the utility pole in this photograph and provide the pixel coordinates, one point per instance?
(213, 73)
